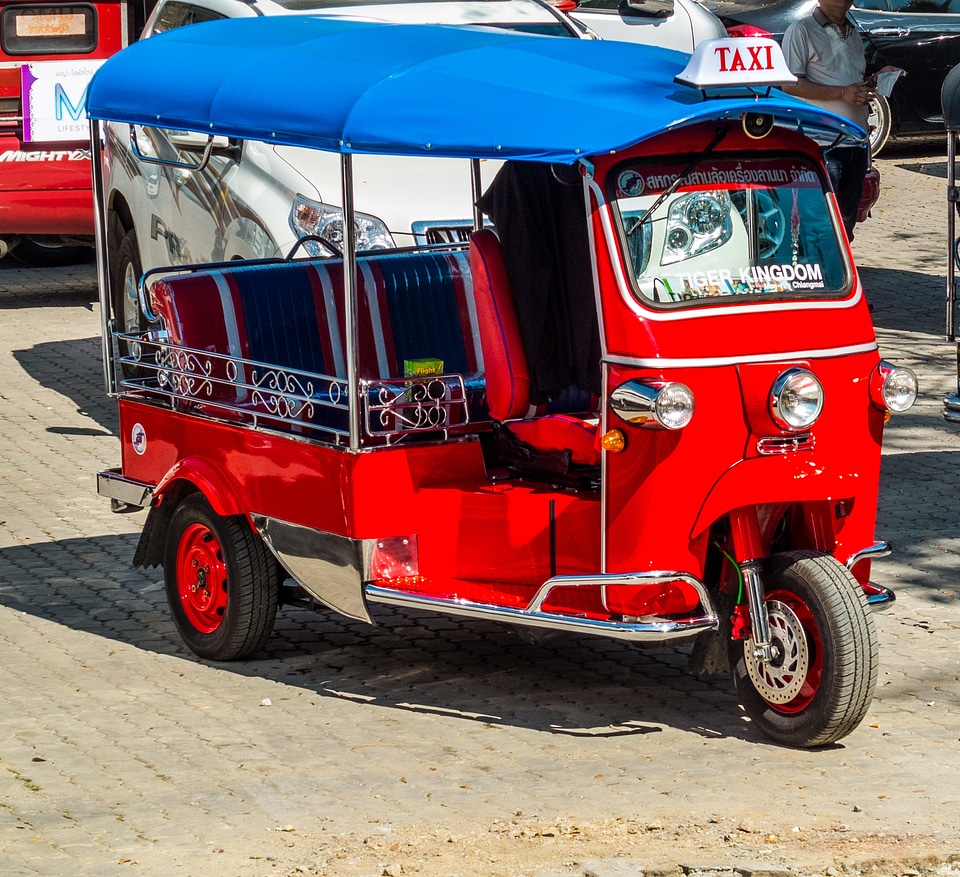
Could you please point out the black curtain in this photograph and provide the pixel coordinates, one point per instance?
(539, 214)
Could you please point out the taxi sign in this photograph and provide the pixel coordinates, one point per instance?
(733, 62)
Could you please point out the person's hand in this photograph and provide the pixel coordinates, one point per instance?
(858, 93)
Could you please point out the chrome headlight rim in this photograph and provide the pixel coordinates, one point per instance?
(653, 404)
(796, 399)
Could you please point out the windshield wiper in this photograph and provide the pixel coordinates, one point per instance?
(711, 146)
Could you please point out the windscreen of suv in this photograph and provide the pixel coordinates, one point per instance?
(732, 229)
(528, 18)
(48, 30)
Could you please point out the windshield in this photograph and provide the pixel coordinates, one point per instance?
(731, 229)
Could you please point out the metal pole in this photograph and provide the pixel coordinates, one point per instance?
(103, 261)
(952, 202)
(350, 297)
(477, 183)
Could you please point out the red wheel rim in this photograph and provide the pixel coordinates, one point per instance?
(202, 578)
(811, 684)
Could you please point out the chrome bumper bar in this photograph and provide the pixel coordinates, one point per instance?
(648, 630)
(951, 408)
(123, 491)
(879, 598)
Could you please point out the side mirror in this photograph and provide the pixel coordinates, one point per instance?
(646, 8)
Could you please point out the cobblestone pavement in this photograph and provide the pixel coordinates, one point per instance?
(439, 745)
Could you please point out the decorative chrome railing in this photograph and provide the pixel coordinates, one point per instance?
(286, 399)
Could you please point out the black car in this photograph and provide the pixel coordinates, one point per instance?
(921, 36)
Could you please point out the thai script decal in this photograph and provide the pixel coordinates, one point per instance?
(636, 181)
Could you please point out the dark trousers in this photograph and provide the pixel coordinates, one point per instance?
(847, 167)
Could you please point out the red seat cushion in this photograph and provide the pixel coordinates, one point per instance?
(559, 432)
(504, 359)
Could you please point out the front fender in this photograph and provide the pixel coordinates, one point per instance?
(846, 489)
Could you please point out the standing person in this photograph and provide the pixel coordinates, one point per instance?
(824, 51)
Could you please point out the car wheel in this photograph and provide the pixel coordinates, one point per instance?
(221, 582)
(879, 123)
(821, 680)
(43, 254)
(125, 275)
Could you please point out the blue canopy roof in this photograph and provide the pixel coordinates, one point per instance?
(348, 86)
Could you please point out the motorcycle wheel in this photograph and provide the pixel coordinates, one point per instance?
(221, 582)
(820, 684)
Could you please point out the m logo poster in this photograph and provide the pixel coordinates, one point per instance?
(54, 99)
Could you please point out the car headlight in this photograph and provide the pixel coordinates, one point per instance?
(664, 404)
(893, 388)
(697, 223)
(796, 399)
(312, 218)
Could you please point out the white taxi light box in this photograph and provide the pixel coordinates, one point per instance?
(736, 62)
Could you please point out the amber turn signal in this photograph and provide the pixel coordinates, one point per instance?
(614, 441)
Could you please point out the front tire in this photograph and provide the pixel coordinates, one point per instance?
(126, 271)
(820, 684)
(221, 582)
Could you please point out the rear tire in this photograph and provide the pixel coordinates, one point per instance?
(39, 253)
(221, 582)
(820, 686)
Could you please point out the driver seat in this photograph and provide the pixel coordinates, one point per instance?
(505, 364)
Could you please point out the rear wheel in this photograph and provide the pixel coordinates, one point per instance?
(40, 253)
(221, 582)
(820, 684)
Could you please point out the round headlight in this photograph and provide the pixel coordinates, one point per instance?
(653, 404)
(705, 214)
(899, 387)
(796, 399)
(674, 407)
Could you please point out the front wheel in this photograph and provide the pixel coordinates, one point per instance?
(221, 582)
(820, 683)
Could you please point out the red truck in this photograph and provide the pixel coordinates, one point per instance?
(48, 52)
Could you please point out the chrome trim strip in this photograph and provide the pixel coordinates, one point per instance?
(111, 484)
(708, 362)
(329, 567)
(951, 408)
(651, 630)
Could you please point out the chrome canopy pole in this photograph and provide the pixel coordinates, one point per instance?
(477, 183)
(953, 203)
(350, 297)
(103, 259)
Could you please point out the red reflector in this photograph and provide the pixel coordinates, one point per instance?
(747, 30)
(565, 5)
(9, 82)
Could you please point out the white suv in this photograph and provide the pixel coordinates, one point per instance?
(255, 200)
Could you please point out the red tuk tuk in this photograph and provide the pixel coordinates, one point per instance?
(644, 401)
